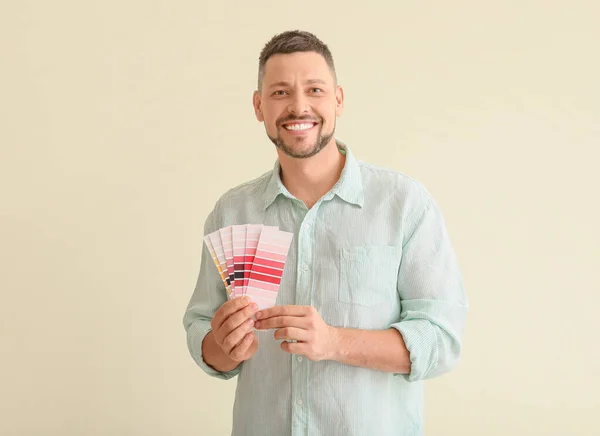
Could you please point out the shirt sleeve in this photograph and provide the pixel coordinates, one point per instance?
(209, 294)
(433, 298)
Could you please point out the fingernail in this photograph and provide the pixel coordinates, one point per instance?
(257, 324)
(250, 321)
(254, 306)
(246, 300)
(258, 315)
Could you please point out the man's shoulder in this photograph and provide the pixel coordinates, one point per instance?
(250, 190)
(378, 177)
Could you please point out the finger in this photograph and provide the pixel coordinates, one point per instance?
(282, 321)
(294, 348)
(289, 310)
(239, 351)
(227, 309)
(237, 319)
(292, 334)
(233, 339)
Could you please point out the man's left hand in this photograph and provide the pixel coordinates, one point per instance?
(316, 340)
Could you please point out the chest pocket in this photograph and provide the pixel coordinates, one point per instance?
(368, 274)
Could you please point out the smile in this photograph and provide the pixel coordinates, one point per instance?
(299, 126)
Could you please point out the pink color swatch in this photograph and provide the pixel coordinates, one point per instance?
(267, 268)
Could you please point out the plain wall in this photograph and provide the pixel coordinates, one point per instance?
(121, 122)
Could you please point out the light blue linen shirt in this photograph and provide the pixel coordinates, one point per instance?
(372, 253)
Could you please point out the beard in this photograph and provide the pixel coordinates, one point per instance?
(319, 144)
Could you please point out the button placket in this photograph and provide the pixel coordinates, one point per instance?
(303, 291)
(305, 259)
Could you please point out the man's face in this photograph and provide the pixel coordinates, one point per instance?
(298, 103)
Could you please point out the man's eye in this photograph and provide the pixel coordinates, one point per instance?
(317, 90)
(279, 92)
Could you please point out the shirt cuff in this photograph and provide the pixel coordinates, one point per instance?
(421, 342)
(195, 335)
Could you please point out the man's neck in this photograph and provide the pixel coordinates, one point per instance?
(309, 179)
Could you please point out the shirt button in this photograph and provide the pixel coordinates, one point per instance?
(305, 267)
(299, 402)
(299, 358)
(306, 226)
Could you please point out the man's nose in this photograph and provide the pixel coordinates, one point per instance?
(299, 104)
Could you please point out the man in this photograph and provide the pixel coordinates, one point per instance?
(371, 301)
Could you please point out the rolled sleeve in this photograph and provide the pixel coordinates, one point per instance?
(433, 298)
(209, 294)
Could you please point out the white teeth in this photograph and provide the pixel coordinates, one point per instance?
(298, 126)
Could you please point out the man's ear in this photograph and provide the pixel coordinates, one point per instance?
(339, 99)
(257, 106)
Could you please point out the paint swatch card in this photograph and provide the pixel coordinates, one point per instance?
(227, 239)
(238, 236)
(217, 246)
(268, 265)
(223, 273)
(250, 259)
(253, 232)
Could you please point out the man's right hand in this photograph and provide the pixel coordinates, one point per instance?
(231, 328)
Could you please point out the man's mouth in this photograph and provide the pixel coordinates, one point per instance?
(296, 127)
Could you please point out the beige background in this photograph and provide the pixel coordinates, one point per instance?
(121, 123)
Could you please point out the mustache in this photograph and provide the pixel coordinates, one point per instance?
(293, 118)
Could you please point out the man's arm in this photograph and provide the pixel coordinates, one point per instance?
(434, 300)
(382, 350)
(208, 296)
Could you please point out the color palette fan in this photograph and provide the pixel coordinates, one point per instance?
(250, 259)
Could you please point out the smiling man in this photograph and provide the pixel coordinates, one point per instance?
(371, 301)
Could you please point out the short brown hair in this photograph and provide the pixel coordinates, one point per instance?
(293, 41)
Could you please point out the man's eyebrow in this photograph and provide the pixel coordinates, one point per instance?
(307, 82)
(277, 84)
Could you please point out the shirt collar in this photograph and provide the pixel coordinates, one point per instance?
(349, 187)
